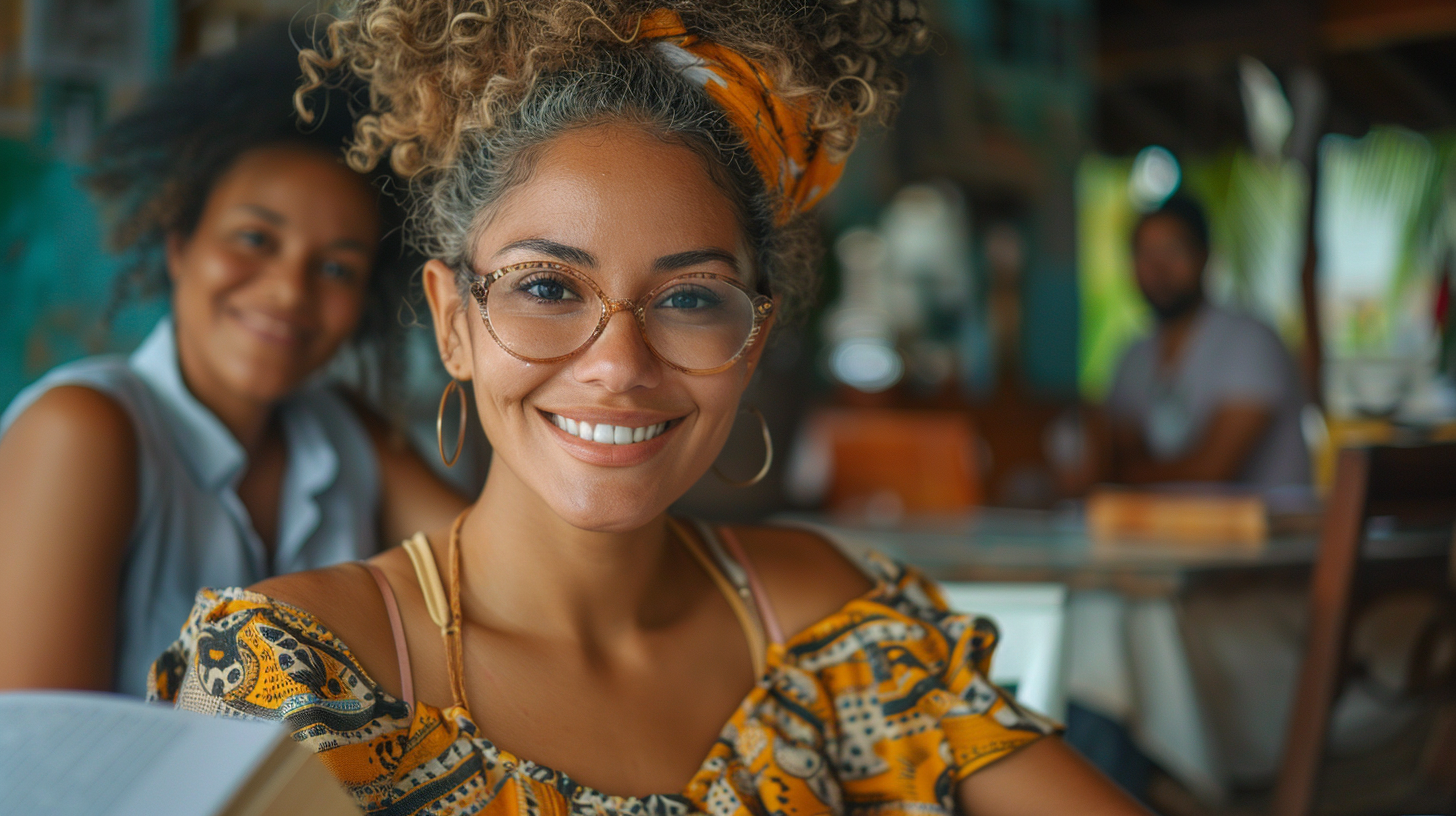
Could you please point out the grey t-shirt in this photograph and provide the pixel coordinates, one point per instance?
(1229, 357)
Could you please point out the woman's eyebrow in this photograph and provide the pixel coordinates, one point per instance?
(264, 213)
(561, 252)
(694, 257)
(350, 243)
(277, 219)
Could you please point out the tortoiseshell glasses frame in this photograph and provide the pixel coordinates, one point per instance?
(762, 308)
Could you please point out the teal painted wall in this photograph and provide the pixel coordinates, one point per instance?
(55, 273)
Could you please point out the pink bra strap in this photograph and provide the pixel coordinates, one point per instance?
(760, 598)
(401, 646)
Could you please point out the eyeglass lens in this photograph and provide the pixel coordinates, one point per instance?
(544, 313)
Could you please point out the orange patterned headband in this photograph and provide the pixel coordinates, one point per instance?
(784, 144)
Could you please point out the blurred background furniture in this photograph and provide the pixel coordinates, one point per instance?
(1128, 657)
(1328, 435)
(888, 462)
(1412, 487)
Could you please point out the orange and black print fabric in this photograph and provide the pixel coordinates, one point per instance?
(882, 706)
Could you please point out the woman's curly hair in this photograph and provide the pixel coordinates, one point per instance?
(153, 169)
(462, 92)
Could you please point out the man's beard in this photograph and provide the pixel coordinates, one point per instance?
(1171, 309)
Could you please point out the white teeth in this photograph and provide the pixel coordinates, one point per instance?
(604, 434)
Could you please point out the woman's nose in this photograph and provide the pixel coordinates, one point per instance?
(619, 358)
(288, 278)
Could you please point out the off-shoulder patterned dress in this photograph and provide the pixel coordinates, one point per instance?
(882, 708)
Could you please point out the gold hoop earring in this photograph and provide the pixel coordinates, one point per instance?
(767, 454)
(454, 385)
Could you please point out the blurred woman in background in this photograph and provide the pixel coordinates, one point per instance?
(615, 198)
(215, 454)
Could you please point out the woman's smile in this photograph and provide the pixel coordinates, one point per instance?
(270, 328)
(611, 438)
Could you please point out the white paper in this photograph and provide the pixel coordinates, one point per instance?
(65, 753)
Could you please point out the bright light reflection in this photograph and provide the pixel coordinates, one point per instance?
(1155, 176)
(870, 365)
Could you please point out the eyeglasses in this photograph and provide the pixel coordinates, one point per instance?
(544, 312)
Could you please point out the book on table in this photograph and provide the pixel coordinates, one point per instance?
(1179, 516)
(65, 753)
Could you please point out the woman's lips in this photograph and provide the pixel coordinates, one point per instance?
(269, 328)
(630, 451)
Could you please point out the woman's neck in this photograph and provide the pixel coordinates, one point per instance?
(249, 421)
(526, 570)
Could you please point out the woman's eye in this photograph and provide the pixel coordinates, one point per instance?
(334, 270)
(548, 289)
(689, 298)
(253, 239)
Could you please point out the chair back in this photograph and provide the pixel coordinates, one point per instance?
(1413, 486)
(1030, 659)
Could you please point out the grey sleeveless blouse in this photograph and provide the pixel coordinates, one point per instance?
(191, 529)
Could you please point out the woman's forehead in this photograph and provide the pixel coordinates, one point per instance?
(305, 187)
(616, 196)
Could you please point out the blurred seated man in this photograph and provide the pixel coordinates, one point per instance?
(1210, 395)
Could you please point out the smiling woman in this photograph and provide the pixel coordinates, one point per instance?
(272, 279)
(210, 457)
(615, 199)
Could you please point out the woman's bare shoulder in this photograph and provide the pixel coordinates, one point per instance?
(320, 592)
(806, 577)
(73, 442)
(78, 414)
(345, 600)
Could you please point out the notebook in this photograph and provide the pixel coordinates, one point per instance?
(64, 753)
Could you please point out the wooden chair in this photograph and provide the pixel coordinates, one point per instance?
(925, 460)
(1413, 484)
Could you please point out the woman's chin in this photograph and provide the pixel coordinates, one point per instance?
(605, 522)
(609, 510)
(266, 387)
(259, 379)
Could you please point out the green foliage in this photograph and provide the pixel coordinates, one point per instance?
(1379, 210)
(1113, 311)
